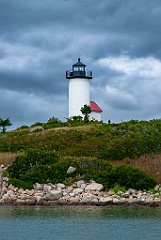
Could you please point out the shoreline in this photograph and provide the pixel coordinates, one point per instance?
(78, 194)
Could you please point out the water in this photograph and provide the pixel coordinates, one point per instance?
(79, 223)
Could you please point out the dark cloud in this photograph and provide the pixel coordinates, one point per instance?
(118, 40)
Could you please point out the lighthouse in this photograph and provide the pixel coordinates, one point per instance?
(79, 91)
(79, 88)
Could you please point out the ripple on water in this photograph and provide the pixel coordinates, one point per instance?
(79, 222)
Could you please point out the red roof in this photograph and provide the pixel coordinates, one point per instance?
(95, 107)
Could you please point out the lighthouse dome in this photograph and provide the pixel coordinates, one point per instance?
(79, 70)
(79, 66)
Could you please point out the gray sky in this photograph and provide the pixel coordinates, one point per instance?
(119, 40)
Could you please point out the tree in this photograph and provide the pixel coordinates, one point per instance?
(86, 110)
(4, 124)
(53, 120)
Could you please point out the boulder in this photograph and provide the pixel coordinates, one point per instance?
(3, 191)
(78, 190)
(72, 194)
(36, 128)
(94, 201)
(94, 187)
(106, 200)
(5, 197)
(83, 186)
(71, 170)
(20, 202)
(60, 185)
(30, 200)
(116, 201)
(53, 195)
(38, 186)
(79, 183)
(30, 192)
(46, 188)
(86, 199)
(73, 200)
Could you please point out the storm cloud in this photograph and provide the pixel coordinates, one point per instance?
(120, 41)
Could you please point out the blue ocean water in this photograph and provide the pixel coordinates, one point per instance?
(79, 223)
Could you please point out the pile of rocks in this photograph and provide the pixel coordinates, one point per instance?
(79, 193)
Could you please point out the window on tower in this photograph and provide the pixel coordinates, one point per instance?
(76, 69)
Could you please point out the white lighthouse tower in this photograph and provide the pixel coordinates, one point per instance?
(79, 88)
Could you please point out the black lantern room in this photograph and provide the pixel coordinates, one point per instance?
(79, 70)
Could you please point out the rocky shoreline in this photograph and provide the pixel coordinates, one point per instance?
(79, 193)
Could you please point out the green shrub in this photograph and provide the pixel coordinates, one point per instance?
(58, 171)
(37, 173)
(23, 127)
(39, 166)
(131, 177)
(25, 163)
(36, 124)
(97, 170)
(20, 184)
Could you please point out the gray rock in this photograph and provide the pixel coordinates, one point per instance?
(156, 187)
(78, 190)
(86, 199)
(94, 187)
(36, 128)
(60, 185)
(72, 194)
(30, 200)
(20, 202)
(116, 201)
(30, 192)
(131, 190)
(22, 197)
(38, 186)
(74, 199)
(46, 188)
(106, 200)
(5, 179)
(83, 186)
(79, 183)
(5, 197)
(3, 191)
(71, 170)
(94, 200)
(10, 192)
(53, 195)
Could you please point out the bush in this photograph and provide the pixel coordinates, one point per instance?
(20, 184)
(97, 170)
(36, 124)
(42, 166)
(58, 172)
(24, 163)
(23, 127)
(131, 177)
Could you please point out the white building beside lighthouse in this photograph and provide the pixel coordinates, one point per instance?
(79, 91)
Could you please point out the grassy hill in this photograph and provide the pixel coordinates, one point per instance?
(134, 143)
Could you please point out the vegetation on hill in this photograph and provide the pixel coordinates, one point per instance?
(41, 166)
(95, 143)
